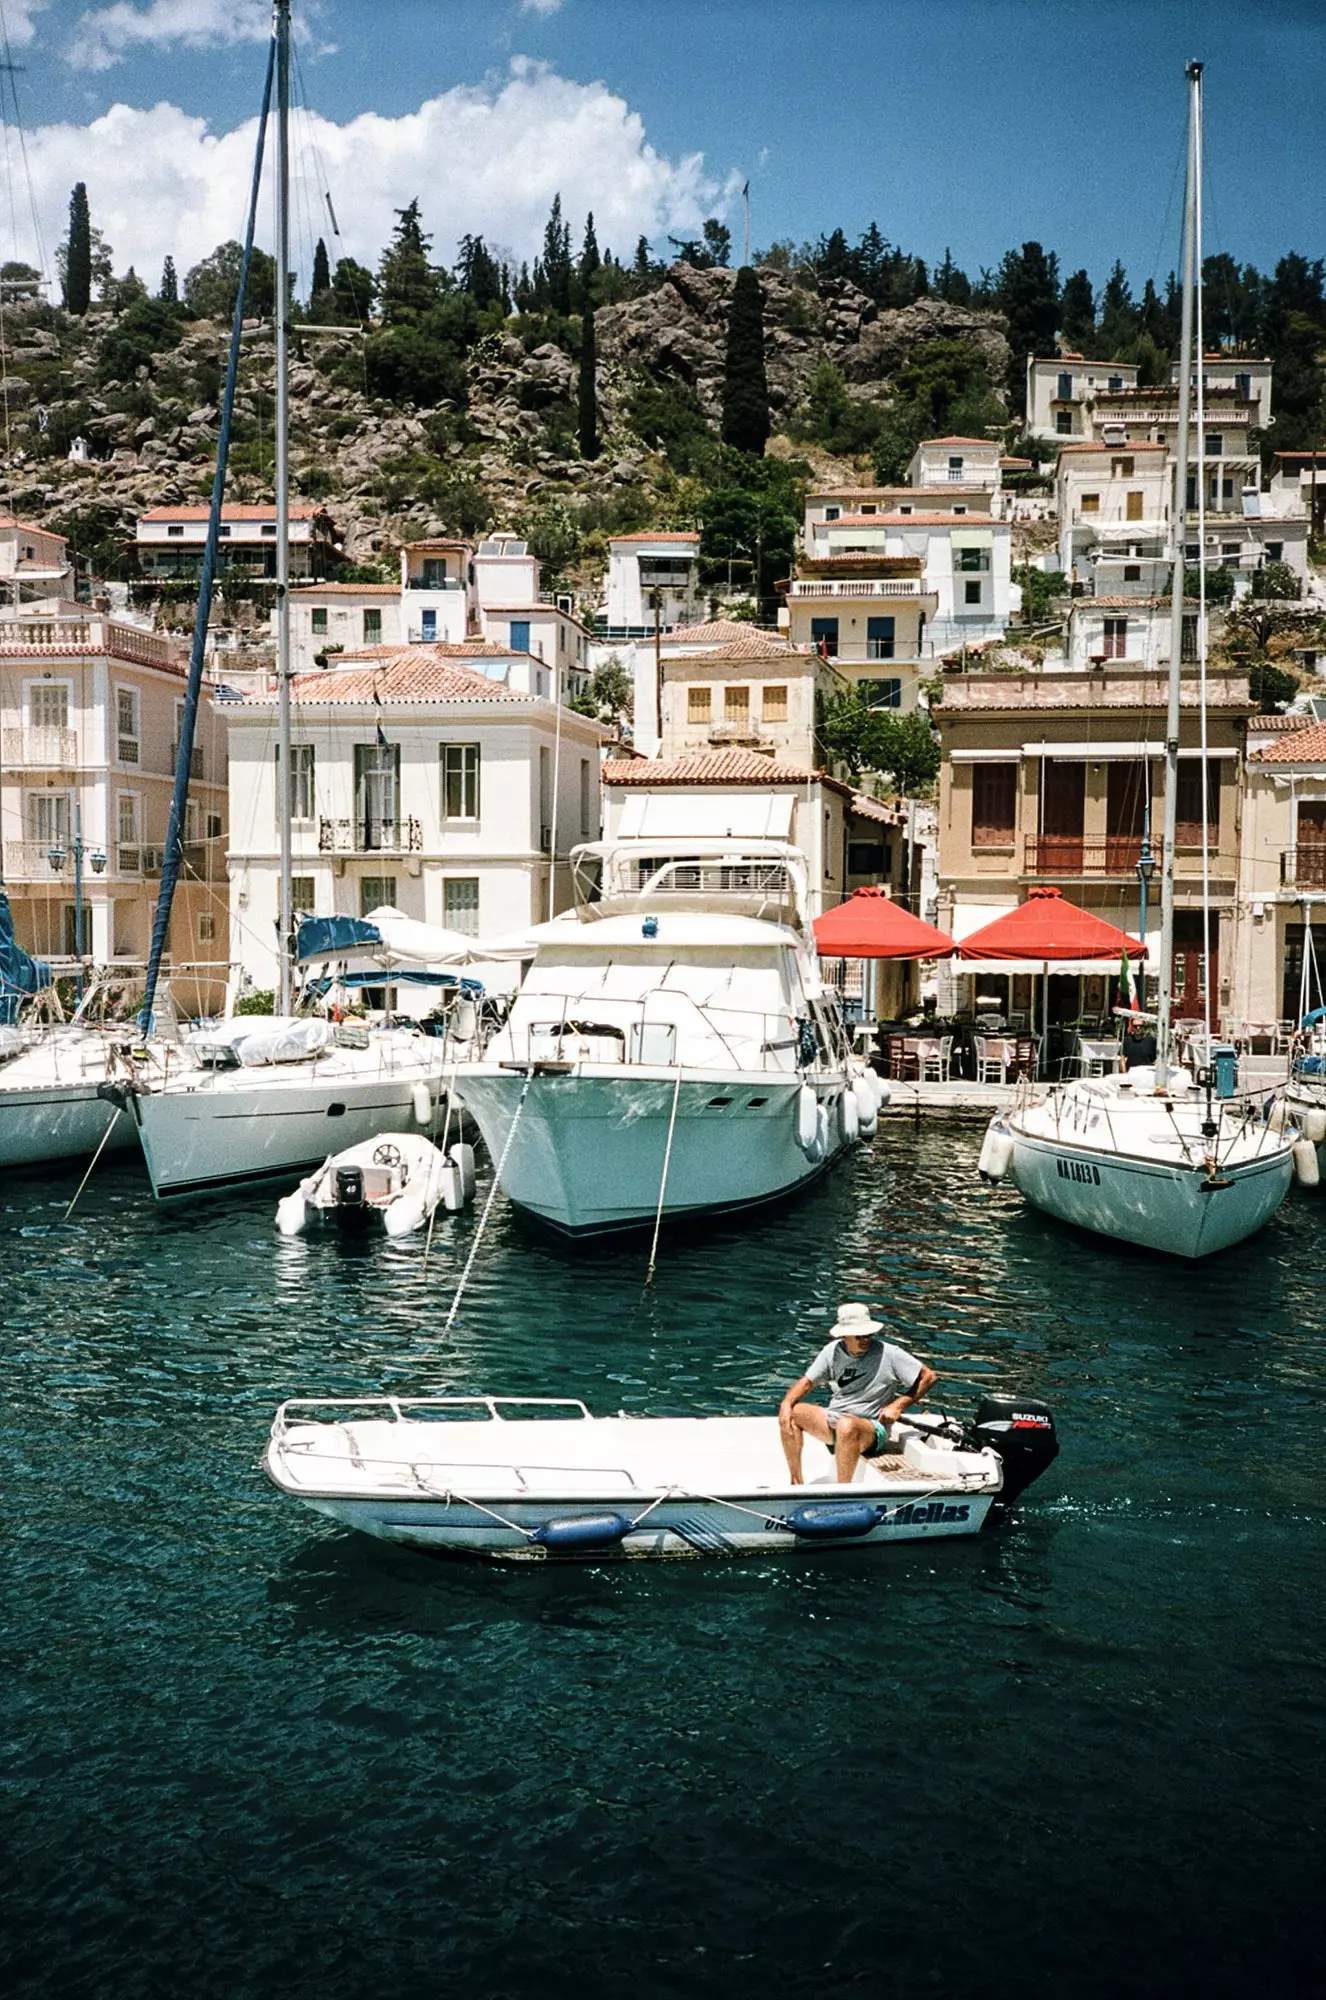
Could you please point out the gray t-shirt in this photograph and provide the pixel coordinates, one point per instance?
(863, 1383)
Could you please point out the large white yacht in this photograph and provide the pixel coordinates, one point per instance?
(671, 1050)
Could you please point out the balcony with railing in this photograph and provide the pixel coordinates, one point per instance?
(858, 587)
(30, 861)
(367, 835)
(1304, 866)
(51, 749)
(1057, 854)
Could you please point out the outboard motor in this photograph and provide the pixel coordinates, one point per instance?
(1021, 1430)
(350, 1187)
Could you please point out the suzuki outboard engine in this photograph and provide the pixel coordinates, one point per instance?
(1021, 1430)
(349, 1187)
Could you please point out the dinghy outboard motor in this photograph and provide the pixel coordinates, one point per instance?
(350, 1187)
(1021, 1430)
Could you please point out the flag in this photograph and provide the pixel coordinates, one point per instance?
(746, 192)
(1127, 997)
(384, 745)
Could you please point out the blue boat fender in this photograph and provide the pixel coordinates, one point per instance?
(833, 1521)
(582, 1531)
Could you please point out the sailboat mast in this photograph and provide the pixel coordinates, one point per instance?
(284, 763)
(1166, 968)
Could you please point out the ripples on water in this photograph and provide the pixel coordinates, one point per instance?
(247, 1753)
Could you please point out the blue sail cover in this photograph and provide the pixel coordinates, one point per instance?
(324, 937)
(20, 975)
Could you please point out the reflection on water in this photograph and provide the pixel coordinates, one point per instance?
(249, 1752)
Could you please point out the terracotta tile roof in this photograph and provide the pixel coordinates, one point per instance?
(1280, 725)
(437, 543)
(401, 677)
(760, 646)
(1016, 464)
(658, 535)
(718, 767)
(299, 511)
(716, 632)
(30, 528)
(345, 590)
(1299, 746)
(985, 444)
(924, 520)
(864, 807)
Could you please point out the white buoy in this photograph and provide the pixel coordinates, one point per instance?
(867, 1106)
(820, 1148)
(463, 1155)
(1312, 1123)
(849, 1117)
(807, 1118)
(996, 1153)
(453, 1191)
(464, 1020)
(1306, 1171)
(422, 1102)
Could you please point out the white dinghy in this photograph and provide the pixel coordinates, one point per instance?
(392, 1182)
(550, 1480)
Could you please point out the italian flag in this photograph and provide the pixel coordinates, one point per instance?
(1127, 997)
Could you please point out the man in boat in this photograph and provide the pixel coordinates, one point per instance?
(872, 1383)
(1139, 1044)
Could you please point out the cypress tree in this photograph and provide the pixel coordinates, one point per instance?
(321, 270)
(557, 259)
(745, 385)
(170, 284)
(78, 254)
(588, 387)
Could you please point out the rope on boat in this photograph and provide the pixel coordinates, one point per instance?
(92, 1162)
(663, 1184)
(442, 1148)
(487, 1207)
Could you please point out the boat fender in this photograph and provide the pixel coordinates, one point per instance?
(996, 1153)
(849, 1117)
(835, 1521)
(807, 1118)
(463, 1155)
(819, 1150)
(1312, 1124)
(883, 1089)
(464, 1020)
(582, 1531)
(867, 1107)
(421, 1100)
(1306, 1171)
(292, 1213)
(453, 1187)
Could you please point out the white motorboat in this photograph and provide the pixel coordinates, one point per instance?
(672, 1050)
(562, 1483)
(1166, 1158)
(257, 1098)
(391, 1182)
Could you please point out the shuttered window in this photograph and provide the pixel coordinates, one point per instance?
(994, 791)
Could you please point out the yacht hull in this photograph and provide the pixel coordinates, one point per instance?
(588, 1149)
(58, 1121)
(1152, 1203)
(219, 1133)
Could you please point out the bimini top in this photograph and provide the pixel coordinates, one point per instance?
(383, 943)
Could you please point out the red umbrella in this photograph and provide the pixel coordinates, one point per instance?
(871, 925)
(1048, 927)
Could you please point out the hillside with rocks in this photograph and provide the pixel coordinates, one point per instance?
(140, 388)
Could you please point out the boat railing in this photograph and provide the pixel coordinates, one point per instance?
(621, 1028)
(398, 1405)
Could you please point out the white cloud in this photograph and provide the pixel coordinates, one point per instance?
(19, 22)
(540, 7)
(485, 158)
(104, 34)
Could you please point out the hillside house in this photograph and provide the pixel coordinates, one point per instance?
(169, 542)
(956, 462)
(1282, 884)
(36, 575)
(1062, 390)
(652, 565)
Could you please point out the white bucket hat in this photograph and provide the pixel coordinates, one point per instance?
(856, 1320)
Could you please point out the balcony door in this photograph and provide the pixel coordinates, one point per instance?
(1311, 859)
(1063, 810)
(1125, 815)
(377, 794)
(1191, 970)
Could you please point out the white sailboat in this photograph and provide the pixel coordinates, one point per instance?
(1161, 1156)
(206, 1120)
(672, 1050)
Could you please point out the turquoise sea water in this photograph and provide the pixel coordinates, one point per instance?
(246, 1753)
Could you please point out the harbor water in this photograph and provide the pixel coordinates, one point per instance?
(246, 1752)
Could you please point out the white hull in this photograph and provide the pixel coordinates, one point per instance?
(402, 1179)
(49, 1107)
(588, 1150)
(208, 1129)
(713, 1486)
(1156, 1204)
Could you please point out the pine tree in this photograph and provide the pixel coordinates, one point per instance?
(1118, 315)
(1027, 291)
(557, 259)
(642, 268)
(408, 281)
(1077, 313)
(321, 270)
(588, 386)
(78, 256)
(590, 261)
(745, 384)
(170, 284)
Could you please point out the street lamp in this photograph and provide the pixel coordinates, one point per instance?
(56, 856)
(1146, 868)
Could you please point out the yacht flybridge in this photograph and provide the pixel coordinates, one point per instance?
(672, 1050)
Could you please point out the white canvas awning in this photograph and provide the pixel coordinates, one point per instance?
(668, 812)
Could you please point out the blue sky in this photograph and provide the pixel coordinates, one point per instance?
(973, 124)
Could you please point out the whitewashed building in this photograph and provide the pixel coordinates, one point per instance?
(1062, 390)
(419, 782)
(902, 586)
(35, 571)
(949, 462)
(169, 541)
(652, 563)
